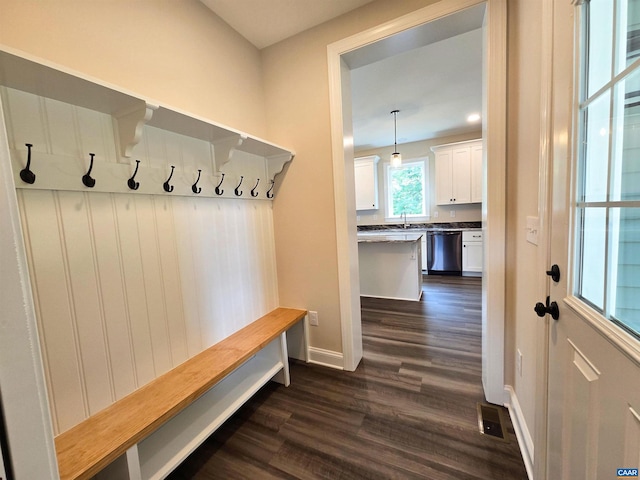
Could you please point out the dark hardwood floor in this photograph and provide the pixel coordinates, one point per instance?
(408, 411)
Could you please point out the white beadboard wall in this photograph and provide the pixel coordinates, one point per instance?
(127, 285)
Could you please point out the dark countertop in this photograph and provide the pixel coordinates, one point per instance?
(398, 228)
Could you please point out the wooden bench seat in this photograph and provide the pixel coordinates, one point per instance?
(90, 446)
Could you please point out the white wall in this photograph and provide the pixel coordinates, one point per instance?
(297, 102)
(463, 213)
(175, 51)
(522, 194)
(127, 286)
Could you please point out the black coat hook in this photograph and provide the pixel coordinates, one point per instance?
(237, 191)
(165, 185)
(254, 194)
(219, 191)
(26, 174)
(133, 185)
(194, 187)
(269, 194)
(86, 178)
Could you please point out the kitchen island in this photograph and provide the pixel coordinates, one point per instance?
(390, 265)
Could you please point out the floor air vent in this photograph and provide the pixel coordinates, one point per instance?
(490, 421)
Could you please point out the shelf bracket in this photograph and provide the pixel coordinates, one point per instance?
(223, 149)
(130, 123)
(276, 163)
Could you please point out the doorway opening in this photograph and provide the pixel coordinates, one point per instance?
(396, 36)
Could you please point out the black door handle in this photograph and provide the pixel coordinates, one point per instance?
(551, 308)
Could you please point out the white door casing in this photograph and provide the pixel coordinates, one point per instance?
(494, 185)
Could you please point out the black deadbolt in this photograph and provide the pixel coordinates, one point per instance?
(554, 273)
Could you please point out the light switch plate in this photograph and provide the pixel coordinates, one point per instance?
(533, 227)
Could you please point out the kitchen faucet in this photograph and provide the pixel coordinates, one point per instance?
(404, 214)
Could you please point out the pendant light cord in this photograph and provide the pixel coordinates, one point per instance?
(395, 130)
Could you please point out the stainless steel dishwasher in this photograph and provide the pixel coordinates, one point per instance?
(444, 253)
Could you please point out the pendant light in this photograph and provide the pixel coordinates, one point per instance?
(396, 158)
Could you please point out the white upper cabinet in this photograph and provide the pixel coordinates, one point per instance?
(476, 173)
(444, 180)
(366, 181)
(461, 175)
(458, 173)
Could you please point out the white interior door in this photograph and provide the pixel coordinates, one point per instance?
(594, 347)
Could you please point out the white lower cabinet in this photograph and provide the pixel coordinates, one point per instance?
(472, 262)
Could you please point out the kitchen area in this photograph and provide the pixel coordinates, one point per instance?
(443, 239)
(419, 156)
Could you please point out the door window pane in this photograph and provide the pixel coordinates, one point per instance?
(600, 41)
(625, 181)
(628, 34)
(596, 149)
(625, 254)
(593, 249)
(607, 261)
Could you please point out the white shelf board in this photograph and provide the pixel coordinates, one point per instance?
(197, 127)
(24, 72)
(168, 446)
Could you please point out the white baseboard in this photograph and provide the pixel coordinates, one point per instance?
(327, 358)
(520, 426)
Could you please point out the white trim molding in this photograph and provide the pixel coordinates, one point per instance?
(25, 403)
(525, 441)
(326, 358)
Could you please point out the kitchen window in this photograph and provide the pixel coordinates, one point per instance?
(406, 189)
(608, 189)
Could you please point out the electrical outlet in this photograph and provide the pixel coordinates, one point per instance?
(452, 213)
(519, 363)
(375, 216)
(435, 214)
(313, 318)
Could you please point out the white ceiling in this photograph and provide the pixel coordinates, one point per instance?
(265, 22)
(435, 88)
(431, 73)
